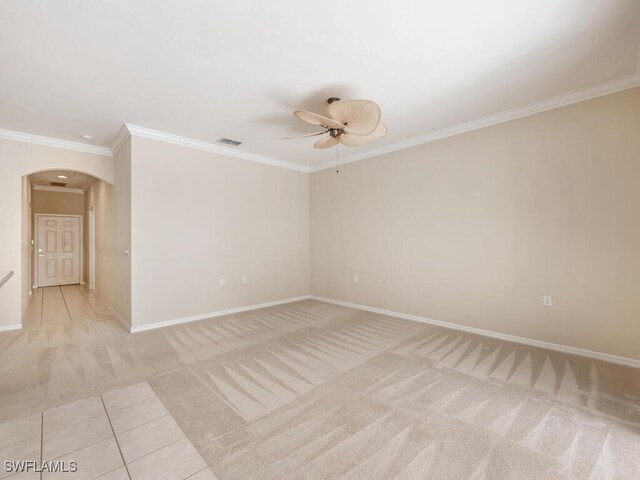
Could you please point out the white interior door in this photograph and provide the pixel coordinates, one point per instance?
(58, 250)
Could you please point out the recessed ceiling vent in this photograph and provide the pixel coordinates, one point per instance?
(58, 184)
(228, 141)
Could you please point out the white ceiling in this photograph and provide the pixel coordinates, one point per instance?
(75, 180)
(207, 69)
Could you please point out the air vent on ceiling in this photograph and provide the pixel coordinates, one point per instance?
(228, 141)
(58, 184)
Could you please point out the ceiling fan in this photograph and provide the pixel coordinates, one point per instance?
(350, 122)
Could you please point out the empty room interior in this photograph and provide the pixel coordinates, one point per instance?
(341, 240)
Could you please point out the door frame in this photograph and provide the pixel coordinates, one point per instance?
(35, 240)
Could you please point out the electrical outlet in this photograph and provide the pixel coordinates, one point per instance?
(223, 282)
(546, 301)
(245, 280)
(355, 279)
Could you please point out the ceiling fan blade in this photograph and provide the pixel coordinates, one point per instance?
(360, 117)
(326, 142)
(316, 119)
(352, 140)
(303, 136)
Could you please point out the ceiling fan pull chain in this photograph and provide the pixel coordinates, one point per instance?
(337, 165)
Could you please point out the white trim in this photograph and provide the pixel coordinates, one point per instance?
(81, 244)
(127, 130)
(120, 140)
(558, 101)
(137, 131)
(8, 328)
(606, 357)
(219, 313)
(47, 188)
(53, 142)
(113, 312)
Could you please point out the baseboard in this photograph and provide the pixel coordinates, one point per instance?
(629, 362)
(124, 323)
(8, 328)
(219, 313)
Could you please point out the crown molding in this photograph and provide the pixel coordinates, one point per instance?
(558, 101)
(129, 130)
(51, 188)
(53, 142)
(120, 140)
(135, 130)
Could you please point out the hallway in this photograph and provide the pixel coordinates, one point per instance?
(63, 304)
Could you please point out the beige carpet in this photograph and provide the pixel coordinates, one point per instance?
(311, 390)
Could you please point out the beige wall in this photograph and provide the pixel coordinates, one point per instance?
(121, 296)
(476, 228)
(26, 253)
(198, 217)
(18, 159)
(88, 201)
(57, 202)
(112, 205)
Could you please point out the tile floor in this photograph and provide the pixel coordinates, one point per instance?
(123, 434)
(68, 303)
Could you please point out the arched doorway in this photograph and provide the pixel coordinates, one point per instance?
(19, 160)
(61, 228)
